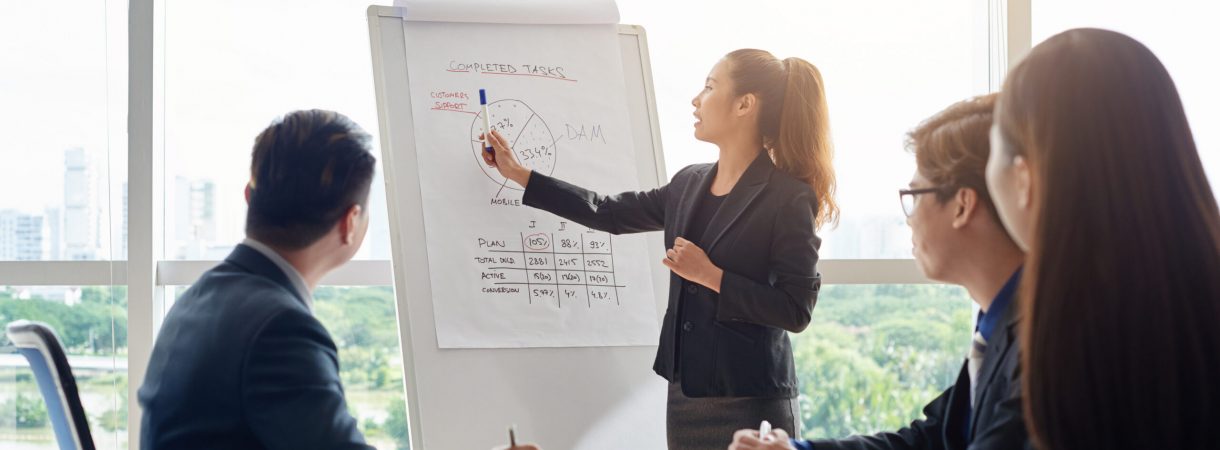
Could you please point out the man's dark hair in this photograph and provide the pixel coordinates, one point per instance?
(308, 169)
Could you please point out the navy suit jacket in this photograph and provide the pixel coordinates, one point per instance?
(997, 423)
(241, 363)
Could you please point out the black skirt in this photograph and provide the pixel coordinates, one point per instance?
(709, 423)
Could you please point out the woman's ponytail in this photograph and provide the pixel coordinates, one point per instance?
(793, 120)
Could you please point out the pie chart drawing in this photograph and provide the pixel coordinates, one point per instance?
(530, 137)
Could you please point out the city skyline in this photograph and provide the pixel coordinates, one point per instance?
(76, 230)
(82, 82)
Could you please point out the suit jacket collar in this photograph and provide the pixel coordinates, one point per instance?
(738, 200)
(252, 261)
(1004, 341)
(959, 403)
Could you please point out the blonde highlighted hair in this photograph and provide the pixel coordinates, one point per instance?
(793, 120)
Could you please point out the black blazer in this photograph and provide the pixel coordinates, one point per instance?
(996, 424)
(241, 363)
(735, 343)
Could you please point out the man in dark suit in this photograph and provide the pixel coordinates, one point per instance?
(959, 239)
(240, 361)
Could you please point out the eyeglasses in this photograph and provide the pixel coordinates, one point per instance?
(907, 197)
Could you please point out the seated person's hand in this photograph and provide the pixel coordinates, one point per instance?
(750, 440)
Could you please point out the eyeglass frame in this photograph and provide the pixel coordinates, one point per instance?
(914, 193)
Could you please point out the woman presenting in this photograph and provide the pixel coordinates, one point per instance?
(740, 238)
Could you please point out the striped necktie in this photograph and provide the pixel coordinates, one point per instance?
(978, 347)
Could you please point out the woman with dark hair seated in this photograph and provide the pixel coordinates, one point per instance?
(1095, 173)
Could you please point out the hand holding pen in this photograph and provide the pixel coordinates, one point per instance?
(504, 160)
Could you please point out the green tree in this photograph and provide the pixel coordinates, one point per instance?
(396, 424)
(96, 325)
(875, 355)
(363, 323)
(359, 317)
(23, 411)
(114, 419)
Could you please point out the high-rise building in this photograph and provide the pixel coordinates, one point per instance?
(81, 218)
(21, 236)
(54, 237)
(180, 205)
(194, 227)
(203, 210)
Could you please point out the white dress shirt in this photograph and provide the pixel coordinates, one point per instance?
(293, 276)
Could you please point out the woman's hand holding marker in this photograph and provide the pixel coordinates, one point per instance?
(505, 161)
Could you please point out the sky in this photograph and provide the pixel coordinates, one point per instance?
(230, 67)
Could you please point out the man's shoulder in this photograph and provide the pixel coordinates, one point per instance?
(227, 282)
(235, 301)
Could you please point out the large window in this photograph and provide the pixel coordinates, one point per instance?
(361, 320)
(63, 83)
(231, 67)
(875, 355)
(92, 327)
(64, 86)
(886, 67)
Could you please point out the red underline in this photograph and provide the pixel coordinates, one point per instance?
(455, 110)
(462, 71)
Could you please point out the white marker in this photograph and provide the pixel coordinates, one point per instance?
(764, 431)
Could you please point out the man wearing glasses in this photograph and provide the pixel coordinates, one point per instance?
(958, 239)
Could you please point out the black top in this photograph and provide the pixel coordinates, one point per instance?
(241, 363)
(708, 206)
(735, 343)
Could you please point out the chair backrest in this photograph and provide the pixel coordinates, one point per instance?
(38, 343)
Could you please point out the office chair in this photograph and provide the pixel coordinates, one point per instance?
(38, 343)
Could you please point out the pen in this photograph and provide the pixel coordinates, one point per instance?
(486, 123)
(512, 436)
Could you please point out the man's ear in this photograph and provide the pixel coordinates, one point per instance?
(349, 225)
(248, 190)
(965, 206)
